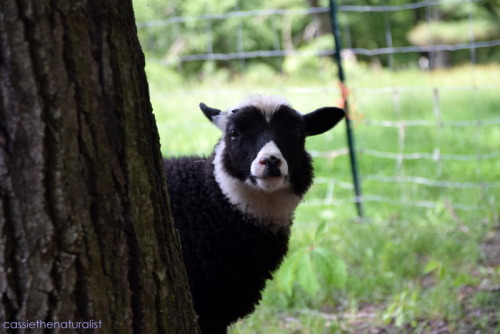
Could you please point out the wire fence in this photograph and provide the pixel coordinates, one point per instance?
(424, 176)
(472, 45)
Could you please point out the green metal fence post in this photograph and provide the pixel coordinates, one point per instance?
(350, 133)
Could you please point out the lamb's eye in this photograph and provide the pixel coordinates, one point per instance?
(233, 134)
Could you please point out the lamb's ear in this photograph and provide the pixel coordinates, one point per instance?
(215, 116)
(322, 120)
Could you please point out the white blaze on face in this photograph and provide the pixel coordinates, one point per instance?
(258, 168)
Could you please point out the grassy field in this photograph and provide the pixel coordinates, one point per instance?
(427, 255)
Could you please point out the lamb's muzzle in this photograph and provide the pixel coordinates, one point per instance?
(269, 169)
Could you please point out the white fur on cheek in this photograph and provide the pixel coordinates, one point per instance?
(269, 207)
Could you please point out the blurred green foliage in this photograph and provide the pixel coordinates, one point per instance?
(167, 41)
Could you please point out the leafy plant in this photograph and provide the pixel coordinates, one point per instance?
(312, 268)
(402, 310)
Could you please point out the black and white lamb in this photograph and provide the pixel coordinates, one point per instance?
(233, 210)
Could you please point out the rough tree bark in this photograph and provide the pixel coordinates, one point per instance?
(85, 228)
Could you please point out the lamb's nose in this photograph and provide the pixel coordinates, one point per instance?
(271, 161)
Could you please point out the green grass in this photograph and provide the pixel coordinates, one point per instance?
(405, 263)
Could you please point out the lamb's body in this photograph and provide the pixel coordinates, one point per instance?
(228, 255)
(234, 209)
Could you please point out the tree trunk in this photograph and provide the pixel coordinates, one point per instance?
(85, 228)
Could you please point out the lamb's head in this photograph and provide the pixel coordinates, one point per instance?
(262, 149)
(263, 141)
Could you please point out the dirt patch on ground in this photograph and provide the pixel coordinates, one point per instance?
(491, 249)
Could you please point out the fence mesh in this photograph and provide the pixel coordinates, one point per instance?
(440, 158)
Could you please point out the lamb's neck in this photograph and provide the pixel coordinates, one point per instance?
(275, 208)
